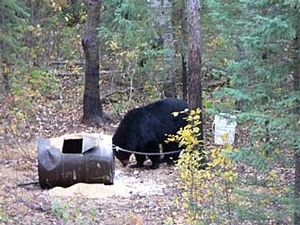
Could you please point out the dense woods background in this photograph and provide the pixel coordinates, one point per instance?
(248, 65)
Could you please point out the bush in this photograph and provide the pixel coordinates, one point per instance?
(228, 191)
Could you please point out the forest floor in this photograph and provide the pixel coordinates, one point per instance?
(138, 196)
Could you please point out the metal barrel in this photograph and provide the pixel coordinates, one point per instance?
(65, 161)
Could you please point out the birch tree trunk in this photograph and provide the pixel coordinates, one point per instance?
(168, 39)
(92, 108)
(163, 10)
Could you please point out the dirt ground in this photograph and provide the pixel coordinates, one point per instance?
(138, 196)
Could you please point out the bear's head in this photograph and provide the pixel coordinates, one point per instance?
(121, 155)
(127, 136)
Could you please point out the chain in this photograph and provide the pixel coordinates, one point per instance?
(144, 153)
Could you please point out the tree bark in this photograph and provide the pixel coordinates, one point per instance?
(169, 84)
(163, 8)
(183, 50)
(92, 108)
(184, 77)
(194, 58)
(297, 113)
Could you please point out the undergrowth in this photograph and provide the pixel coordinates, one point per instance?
(223, 193)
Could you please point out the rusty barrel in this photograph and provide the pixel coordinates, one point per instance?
(71, 159)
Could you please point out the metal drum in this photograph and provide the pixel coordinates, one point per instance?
(71, 159)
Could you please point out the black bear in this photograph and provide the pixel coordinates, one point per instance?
(144, 128)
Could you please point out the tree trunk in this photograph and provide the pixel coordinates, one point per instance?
(184, 77)
(163, 10)
(296, 138)
(183, 50)
(297, 188)
(92, 108)
(169, 84)
(4, 80)
(194, 58)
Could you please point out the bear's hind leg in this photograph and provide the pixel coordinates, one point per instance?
(140, 159)
(153, 149)
(155, 159)
(170, 159)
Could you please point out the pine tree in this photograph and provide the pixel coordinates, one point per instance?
(13, 18)
(264, 84)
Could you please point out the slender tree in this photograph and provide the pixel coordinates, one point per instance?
(92, 108)
(194, 57)
(183, 24)
(297, 113)
(168, 39)
(163, 10)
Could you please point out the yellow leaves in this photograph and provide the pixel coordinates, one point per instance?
(114, 46)
(227, 61)
(271, 176)
(67, 18)
(212, 217)
(36, 30)
(229, 176)
(217, 42)
(20, 115)
(219, 158)
(171, 138)
(195, 112)
(188, 135)
(196, 130)
(57, 6)
(203, 187)
(129, 55)
(194, 116)
(222, 165)
(208, 194)
(6, 69)
(31, 28)
(13, 127)
(215, 152)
